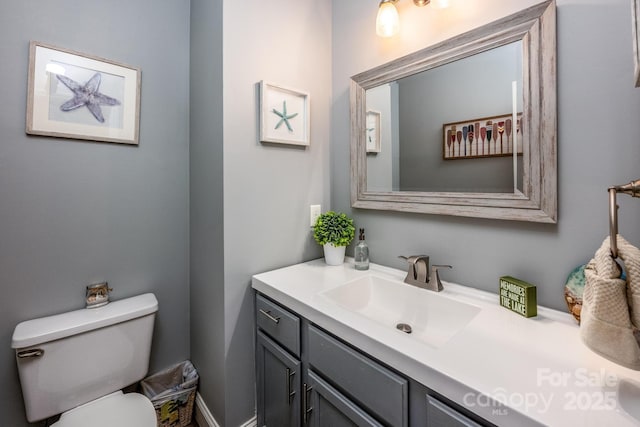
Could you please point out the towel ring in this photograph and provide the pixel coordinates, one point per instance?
(632, 189)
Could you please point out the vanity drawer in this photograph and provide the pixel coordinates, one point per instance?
(279, 323)
(382, 392)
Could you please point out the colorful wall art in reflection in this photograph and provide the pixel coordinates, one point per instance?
(486, 137)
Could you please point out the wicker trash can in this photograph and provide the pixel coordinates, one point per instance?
(172, 392)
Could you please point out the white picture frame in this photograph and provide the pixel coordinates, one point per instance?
(58, 103)
(372, 131)
(284, 115)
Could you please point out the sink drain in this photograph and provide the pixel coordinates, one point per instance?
(404, 327)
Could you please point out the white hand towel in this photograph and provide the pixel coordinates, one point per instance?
(605, 322)
(631, 257)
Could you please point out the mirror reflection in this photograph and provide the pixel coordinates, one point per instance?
(445, 115)
(450, 128)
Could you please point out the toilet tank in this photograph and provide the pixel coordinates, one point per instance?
(72, 358)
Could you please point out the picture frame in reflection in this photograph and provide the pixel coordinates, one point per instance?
(372, 131)
(484, 137)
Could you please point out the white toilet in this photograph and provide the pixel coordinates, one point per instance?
(76, 363)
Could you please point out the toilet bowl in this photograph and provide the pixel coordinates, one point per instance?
(115, 409)
(76, 363)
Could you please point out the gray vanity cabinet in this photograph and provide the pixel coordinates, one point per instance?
(278, 366)
(297, 379)
(308, 377)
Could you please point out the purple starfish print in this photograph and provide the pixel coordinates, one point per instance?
(87, 95)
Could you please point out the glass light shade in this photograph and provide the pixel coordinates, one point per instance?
(388, 21)
(440, 4)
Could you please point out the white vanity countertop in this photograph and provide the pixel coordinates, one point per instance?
(538, 367)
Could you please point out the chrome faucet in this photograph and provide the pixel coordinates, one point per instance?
(418, 270)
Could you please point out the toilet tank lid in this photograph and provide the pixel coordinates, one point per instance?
(45, 329)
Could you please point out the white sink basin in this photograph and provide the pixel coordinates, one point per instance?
(433, 318)
(628, 397)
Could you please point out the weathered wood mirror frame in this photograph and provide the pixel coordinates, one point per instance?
(536, 28)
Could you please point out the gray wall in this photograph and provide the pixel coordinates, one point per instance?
(206, 212)
(598, 144)
(268, 188)
(73, 212)
(474, 87)
(263, 191)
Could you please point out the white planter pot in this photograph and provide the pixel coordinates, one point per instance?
(333, 255)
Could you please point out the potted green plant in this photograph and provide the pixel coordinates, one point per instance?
(334, 231)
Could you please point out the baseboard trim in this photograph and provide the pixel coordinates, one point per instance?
(204, 418)
(253, 422)
(203, 415)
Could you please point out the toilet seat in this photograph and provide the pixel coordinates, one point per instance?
(115, 409)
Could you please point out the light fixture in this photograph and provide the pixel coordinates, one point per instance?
(388, 20)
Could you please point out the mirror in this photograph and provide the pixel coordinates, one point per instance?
(465, 127)
(415, 150)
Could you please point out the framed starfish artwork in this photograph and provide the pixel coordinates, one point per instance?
(284, 115)
(74, 95)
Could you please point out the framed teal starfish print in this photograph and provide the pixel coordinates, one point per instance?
(284, 115)
(78, 96)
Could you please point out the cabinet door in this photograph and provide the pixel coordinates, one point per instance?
(442, 415)
(278, 385)
(325, 406)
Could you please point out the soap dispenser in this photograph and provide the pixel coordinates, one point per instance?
(361, 253)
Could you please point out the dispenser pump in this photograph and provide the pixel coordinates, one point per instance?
(361, 253)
